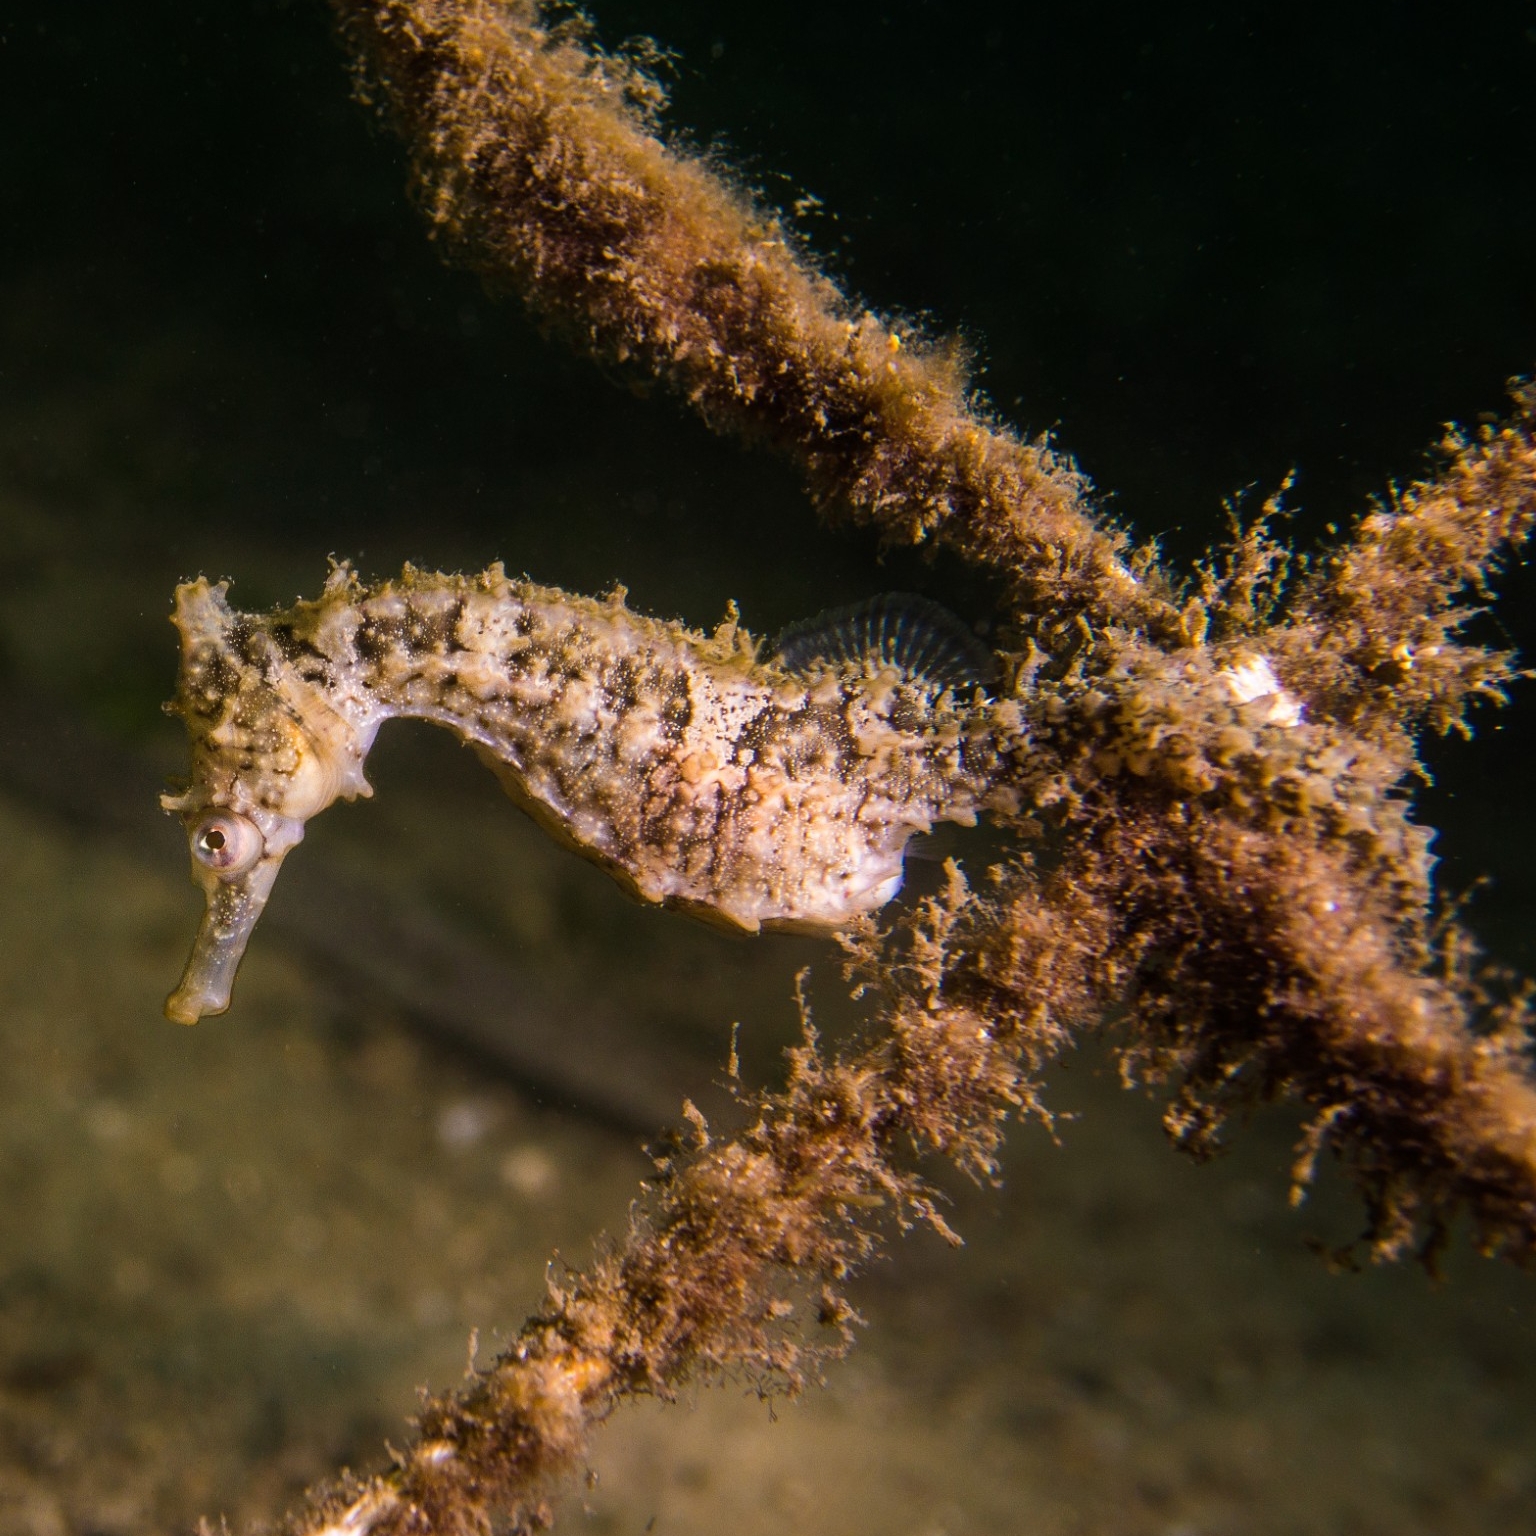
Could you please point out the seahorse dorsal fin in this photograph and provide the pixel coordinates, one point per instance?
(897, 629)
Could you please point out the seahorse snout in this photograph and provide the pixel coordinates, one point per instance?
(235, 859)
(228, 920)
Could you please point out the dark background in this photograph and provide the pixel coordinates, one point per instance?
(1203, 245)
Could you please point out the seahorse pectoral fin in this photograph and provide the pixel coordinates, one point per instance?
(233, 907)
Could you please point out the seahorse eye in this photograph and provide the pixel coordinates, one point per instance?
(226, 843)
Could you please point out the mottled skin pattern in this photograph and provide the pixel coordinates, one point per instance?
(698, 775)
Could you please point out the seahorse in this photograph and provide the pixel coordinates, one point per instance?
(773, 790)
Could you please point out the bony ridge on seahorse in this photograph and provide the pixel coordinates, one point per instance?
(777, 792)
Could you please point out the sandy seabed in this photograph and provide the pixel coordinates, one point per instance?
(231, 1255)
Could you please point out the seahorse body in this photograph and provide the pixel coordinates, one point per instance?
(698, 775)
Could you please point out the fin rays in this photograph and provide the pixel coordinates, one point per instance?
(896, 629)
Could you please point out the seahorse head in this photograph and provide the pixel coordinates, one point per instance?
(269, 750)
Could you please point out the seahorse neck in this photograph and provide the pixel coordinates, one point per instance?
(500, 663)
